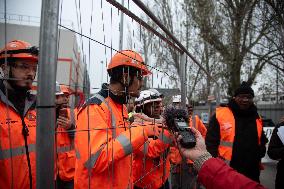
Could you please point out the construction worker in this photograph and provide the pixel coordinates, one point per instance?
(18, 60)
(104, 139)
(176, 101)
(151, 165)
(235, 134)
(183, 174)
(65, 117)
(195, 121)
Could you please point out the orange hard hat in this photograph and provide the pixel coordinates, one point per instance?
(66, 89)
(128, 58)
(19, 49)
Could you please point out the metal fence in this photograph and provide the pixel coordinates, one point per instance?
(96, 159)
(268, 111)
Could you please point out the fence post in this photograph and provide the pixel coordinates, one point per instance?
(182, 79)
(46, 95)
(121, 28)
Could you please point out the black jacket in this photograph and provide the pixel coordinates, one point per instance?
(247, 153)
(276, 152)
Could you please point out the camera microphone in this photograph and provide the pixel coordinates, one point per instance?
(177, 121)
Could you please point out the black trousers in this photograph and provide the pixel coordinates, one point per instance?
(165, 186)
(60, 184)
(184, 177)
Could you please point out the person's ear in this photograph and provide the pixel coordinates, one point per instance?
(4, 72)
(1, 72)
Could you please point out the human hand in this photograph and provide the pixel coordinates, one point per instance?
(197, 151)
(151, 130)
(64, 122)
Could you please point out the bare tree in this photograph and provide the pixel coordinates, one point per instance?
(236, 29)
(278, 9)
(146, 39)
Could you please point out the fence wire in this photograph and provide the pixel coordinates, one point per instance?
(97, 145)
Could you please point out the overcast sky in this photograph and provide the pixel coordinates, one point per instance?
(110, 20)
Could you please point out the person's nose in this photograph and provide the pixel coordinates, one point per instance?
(31, 72)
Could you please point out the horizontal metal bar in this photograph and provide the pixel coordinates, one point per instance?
(143, 23)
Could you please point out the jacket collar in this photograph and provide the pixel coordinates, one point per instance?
(29, 101)
(105, 92)
(250, 112)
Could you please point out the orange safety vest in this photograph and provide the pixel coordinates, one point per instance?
(103, 145)
(14, 167)
(197, 124)
(226, 121)
(151, 164)
(65, 151)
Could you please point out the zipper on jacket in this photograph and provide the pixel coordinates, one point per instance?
(25, 132)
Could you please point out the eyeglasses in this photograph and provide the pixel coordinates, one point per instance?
(25, 67)
(243, 96)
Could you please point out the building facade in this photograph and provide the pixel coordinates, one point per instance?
(71, 70)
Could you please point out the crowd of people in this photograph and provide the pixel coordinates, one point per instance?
(118, 138)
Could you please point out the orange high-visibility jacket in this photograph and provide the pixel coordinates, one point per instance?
(14, 167)
(226, 121)
(103, 157)
(151, 164)
(197, 124)
(65, 151)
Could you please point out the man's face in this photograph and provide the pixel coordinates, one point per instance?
(176, 104)
(135, 88)
(244, 101)
(153, 109)
(62, 100)
(23, 72)
(130, 105)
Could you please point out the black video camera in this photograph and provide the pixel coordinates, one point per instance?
(177, 121)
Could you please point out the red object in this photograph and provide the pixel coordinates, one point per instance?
(151, 165)
(216, 174)
(65, 151)
(128, 58)
(19, 49)
(14, 167)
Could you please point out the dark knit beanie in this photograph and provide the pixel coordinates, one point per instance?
(244, 89)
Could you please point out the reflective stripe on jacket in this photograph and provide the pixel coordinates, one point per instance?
(65, 151)
(151, 165)
(103, 144)
(226, 120)
(14, 167)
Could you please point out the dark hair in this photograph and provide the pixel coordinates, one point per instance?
(116, 74)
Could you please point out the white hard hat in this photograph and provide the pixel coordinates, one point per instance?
(146, 96)
(58, 89)
(177, 99)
